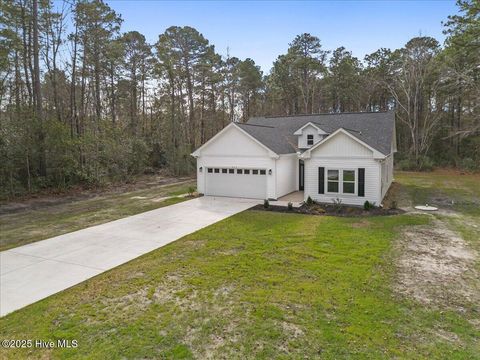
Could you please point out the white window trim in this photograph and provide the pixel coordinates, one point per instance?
(340, 182)
(312, 139)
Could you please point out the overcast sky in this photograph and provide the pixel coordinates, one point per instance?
(262, 30)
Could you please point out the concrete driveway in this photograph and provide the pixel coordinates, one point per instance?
(32, 272)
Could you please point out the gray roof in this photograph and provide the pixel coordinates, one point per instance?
(276, 132)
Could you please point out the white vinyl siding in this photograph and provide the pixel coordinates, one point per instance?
(387, 174)
(372, 179)
(341, 145)
(343, 153)
(303, 139)
(286, 175)
(235, 150)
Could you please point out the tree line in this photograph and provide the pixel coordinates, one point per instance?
(82, 102)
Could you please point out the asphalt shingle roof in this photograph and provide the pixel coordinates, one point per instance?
(276, 132)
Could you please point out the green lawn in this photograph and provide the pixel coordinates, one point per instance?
(20, 228)
(453, 192)
(257, 285)
(447, 189)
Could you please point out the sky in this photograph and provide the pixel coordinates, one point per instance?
(262, 30)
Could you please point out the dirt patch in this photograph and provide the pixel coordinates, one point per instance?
(361, 224)
(436, 267)
(50, 198)
(291, 330)
(448, 336)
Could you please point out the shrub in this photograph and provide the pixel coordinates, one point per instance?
(266, 204)
(191, 190)
(290, 206)
(337, 204)
(393, 205)
(409, 164)
(426, 164)
(367, 205)
(406, 165)
(310, 202)
(469, 164)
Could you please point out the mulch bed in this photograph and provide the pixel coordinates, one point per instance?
(326, 209)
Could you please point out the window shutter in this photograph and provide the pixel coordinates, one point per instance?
(321, 180)
(361, 182)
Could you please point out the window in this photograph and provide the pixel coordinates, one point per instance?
(263, 172)
(246, 172)
(231, 171)
(309, 139)
(255, 172)
(217, 171)
(349, 181)
(224, 171)
(239, 171)
(332, 179)
(210, 170)
(341, 176)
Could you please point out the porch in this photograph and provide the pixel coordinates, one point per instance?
(295, 197)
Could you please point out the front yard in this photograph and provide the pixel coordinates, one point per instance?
(273, 285)
(56, 217)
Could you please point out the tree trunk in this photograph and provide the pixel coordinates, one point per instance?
(74, 124)
(38, 93)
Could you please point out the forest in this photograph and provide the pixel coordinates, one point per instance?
(83, 103)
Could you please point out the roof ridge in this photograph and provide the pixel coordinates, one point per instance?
(316, 114)
(348, 129)
(265, 126)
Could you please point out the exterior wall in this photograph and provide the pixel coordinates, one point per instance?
(372, 179)
(387, 174)
(342, 145)
(234, 149)
(233, 142)
(287, 174)
(236, 162)
(342, 152)
(302, 139)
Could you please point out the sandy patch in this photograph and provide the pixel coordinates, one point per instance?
(361, 224)
(437, 267)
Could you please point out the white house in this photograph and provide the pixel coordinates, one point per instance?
(327, 156)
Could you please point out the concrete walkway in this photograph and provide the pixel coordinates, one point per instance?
(32, 272)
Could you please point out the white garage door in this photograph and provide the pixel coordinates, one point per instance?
(244, 183)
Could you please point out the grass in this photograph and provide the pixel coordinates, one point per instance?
(442, 187)
(27, 226)
(257, 285)
(450, 190)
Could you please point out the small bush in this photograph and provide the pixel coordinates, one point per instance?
(191, 190)
(393, 205)
(426, 164)
(469, 164)
(266, 204)
(290, 206)
(337, 204)
(310, 202)
(409, 164)
(367, 205)
(406, 165)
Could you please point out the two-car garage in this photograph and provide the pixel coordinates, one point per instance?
(236, 182)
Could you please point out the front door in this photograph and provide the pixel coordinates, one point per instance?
(301, 175)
